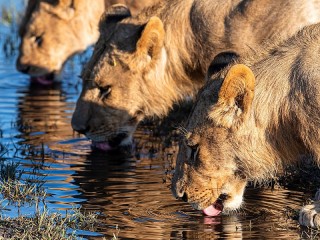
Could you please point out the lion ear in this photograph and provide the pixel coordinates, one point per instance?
(114, 14)
(152, 39)
(31, 6)
(221, 61)
(235, 97)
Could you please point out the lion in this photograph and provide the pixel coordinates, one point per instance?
(52, 31)
(250, 121)
(142, 65)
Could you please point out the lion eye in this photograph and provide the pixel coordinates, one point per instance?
(194, 151)
(38, 40)
(113, 62)
(194, 154)
(105, 92)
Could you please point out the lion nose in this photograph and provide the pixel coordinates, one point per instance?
(185, 197)
(82, 129)
(79, 122)
(24, 68)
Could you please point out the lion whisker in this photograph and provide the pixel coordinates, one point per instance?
(182, 130)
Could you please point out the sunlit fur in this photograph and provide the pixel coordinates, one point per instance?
(155, 70)
(66, 27)
(280, 126)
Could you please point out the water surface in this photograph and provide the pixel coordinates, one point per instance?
(132, 192)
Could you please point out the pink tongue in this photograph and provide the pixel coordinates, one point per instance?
(212, 210)
(104, 146)
(41, 80)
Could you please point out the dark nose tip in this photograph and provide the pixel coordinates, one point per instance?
(24, 68)
(82, 130)
(78, 124)
(185, 197)
(115, 141)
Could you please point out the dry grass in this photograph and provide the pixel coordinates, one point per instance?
(43, 224)
(17, 191)
(47, 225)
(310, 233)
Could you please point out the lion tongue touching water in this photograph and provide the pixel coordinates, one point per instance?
(104, 146)
(46, 79)
(113, 143)
(215, 209)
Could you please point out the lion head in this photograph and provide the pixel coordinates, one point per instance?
(208, 173)
(54, 30)
(117, 79)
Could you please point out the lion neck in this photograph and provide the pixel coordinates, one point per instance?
(188, 52)
(160, 90)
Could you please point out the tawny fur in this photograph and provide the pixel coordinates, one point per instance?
(65, 28)
(146, 85)
(281, 125)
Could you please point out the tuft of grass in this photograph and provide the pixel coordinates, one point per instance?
(115, 235)
(42, 225)
(310, 233)
(15, 190)
(9, 171)
(19, 193)
(45, 225)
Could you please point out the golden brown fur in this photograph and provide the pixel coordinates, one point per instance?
(53, 30)
(251, 121)
(146, 72)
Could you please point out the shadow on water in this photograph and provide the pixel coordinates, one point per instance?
(132, 192)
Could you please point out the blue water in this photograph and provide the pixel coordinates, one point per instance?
(132, 193)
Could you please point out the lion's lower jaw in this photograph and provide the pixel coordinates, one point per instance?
(234, 204)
